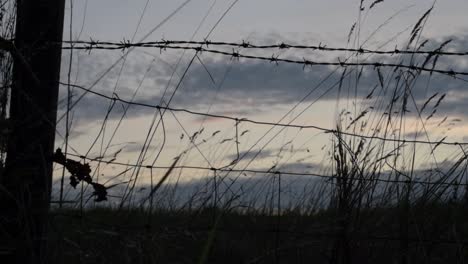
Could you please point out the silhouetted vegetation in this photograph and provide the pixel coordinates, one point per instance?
(380, 194)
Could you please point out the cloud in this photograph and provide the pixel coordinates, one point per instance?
(253, 154)
(138, 148)
(250, 86)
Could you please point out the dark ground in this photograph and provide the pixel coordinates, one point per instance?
(435, 234)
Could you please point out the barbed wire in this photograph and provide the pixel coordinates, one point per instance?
(308, 174)
(247, 45)
(304, 62)
(115, 97)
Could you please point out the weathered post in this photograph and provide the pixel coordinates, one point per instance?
(26, 182)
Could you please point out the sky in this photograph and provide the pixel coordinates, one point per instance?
(320, 96)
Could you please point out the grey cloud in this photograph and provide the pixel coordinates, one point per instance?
(249, 155)
(259, 85)
(138, 148)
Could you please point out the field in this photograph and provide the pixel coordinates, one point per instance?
(436, 233)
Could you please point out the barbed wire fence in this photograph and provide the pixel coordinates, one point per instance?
(350, 176)
(204, 47)
(78, 164)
